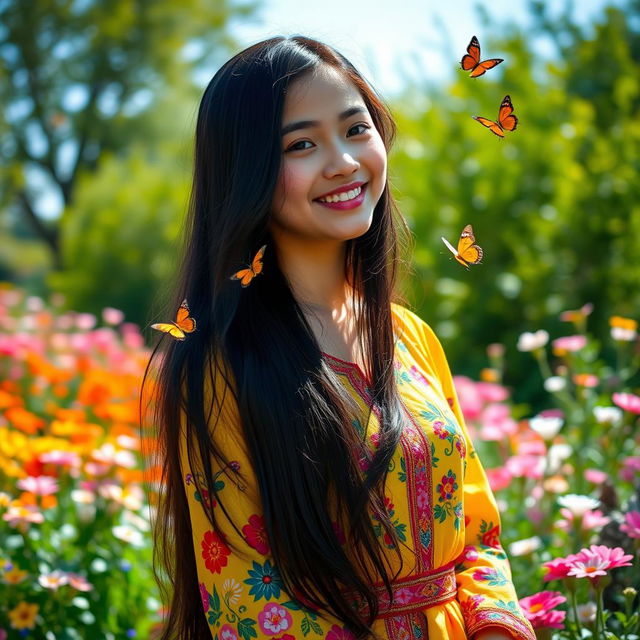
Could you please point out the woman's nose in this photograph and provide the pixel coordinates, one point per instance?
(342, 162)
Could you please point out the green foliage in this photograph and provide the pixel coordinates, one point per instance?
(554, 204)
(120, 238)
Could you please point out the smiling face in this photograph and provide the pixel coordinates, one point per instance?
(338, 147)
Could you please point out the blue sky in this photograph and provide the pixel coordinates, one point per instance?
(421, 39)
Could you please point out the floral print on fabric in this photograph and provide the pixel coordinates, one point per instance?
(215, 552)
(437, 498)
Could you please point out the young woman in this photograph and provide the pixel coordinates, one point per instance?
(318, 479)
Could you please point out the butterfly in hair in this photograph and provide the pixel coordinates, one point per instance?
(467, 252)
(471, 60)
(507, 121)
(183, 324)
(247, 274)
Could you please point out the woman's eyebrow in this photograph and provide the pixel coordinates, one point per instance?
(304, 124)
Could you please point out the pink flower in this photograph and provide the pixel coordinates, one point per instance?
(627, 401)
(227, 632)
(38, 485)
(631, 525)
(630, 467)
(558, 568)
(569, 343)
(595, 476)
(499, 478)
(274, 619)
(525, 466)
(471, 402)
(338, 633)
(204, 595)
(492, 392)
(597, 560)
(497, 422)
(79, 582)
(538, 609)
(112, 316)
(85, 321)
(592, 519)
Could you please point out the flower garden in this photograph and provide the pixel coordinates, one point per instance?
(75, 545)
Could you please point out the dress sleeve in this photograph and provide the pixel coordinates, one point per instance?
(486, 592)
(242, 592)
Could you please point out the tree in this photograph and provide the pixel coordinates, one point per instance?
(78, 79)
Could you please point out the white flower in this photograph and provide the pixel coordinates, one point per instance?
(578, 505)
(622, 334)
(128, 534)
(53, 580)
(530, 341)
(587, 612)
(231, 591)
(547, 426)
(554, 384)
(556, 455)
(525, 546)
(607, 415)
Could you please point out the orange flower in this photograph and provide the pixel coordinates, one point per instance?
(60, 391)
(489, 375)
(585, 380)
(76, 415)
(623, 323)
(24, 420)
(9, 400)
(15, 575)
(24, 615)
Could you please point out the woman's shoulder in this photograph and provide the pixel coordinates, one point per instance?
(418, 337)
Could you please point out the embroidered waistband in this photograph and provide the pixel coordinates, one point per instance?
(418, 591)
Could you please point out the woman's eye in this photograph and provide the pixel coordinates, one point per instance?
(360, 125)
(295, 146)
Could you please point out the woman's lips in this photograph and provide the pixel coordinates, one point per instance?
(347, 204)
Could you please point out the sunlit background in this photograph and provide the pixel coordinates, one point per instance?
(98, 111)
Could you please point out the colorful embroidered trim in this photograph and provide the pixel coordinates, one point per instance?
(518, 626)
(411, 593)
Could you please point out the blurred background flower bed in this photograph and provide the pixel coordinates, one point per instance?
(76, 544)
(75, 550)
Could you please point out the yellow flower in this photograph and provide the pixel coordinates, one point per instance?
(24, 616)
(14, 576)
(231, 591)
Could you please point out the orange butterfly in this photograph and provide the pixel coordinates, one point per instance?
(471, 60)
(507, 121)
(184, 323)
(251, 271)
(467, 252)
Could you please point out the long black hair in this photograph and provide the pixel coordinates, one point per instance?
(258, 340)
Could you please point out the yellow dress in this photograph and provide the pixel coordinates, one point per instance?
(456, 578)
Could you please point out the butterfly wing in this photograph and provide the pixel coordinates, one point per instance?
(240, 275)
(491, 125)
(506, 119)
(183, 320)
(170, 328)
(472, 57)
(484, 66)
(449, 246)
(256, 265)
(469, 252)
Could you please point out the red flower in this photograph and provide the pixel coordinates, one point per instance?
(214, 552)
(491, 537)
(256, 534)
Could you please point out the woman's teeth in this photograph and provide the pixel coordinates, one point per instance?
(343, 197)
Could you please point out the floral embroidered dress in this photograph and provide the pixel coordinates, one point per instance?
(456, 578)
